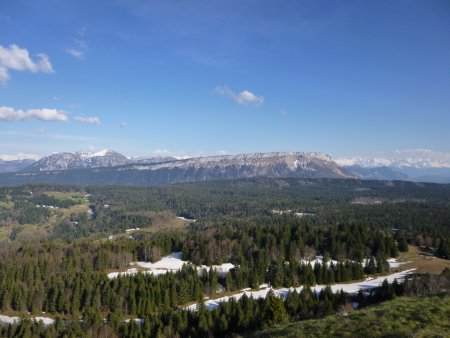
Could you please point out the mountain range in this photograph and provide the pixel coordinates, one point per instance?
(422, 165)
(110, 167)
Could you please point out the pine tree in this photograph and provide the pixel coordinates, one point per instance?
(274, 311)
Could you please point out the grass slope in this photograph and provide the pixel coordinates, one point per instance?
(402, 317)
(421, 261)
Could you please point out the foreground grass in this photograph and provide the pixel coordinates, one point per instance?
(402, 317)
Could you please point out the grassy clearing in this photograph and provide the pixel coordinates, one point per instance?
(5, 232)
(171, 224)
(27, 232)
(402, 317)
(76, 197)
(423, 262)
(76, 209)
(7, 204)
(33, 232)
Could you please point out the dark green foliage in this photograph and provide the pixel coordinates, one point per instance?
(236, 224)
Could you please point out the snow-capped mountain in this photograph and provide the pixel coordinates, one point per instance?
(412, 164)
(254, 164)
(78, 160)
(112, 168)
(410, 158)
(152, 159)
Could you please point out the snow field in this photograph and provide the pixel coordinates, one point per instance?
(170, 263)
(351, 288)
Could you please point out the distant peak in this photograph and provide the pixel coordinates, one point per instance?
(103, 152)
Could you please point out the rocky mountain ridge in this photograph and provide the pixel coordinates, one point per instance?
(112, 168)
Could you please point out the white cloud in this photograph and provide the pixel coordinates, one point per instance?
(245, 97)
(44, 114)
(4, 75)
(18, 59)
(93, 119)
(78, 54)
(19, 156)
(79, 46)
(223, 152)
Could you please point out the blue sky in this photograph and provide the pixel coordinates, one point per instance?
(208, 77)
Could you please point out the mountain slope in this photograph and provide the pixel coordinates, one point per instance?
(305, 165)
(401, 317)
(14, 165)
(77, 160)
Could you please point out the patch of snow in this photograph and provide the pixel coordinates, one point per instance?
(302, 214)
(318, 259)
(45, 320)
(351, 288)
(100, 153)
(14, 319)
(170, 263)
(46, 206)
(186, 219)
(394, 263)
(132, 229)
(9, 319)
(130, 272)
(222, 269)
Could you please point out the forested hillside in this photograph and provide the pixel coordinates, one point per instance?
(71, 253)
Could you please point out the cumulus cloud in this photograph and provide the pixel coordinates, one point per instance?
(78, 54)
(18, 59)
(4, 75)
(93, 119)
(44, 114)
(245, 97)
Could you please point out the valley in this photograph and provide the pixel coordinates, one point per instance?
(139, 259)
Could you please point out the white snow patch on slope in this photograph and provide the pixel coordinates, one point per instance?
(353, 288)
(170, 263)
(395, 263)
(319, 259)
(186, 219)
(101, 153)
(13, 319)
